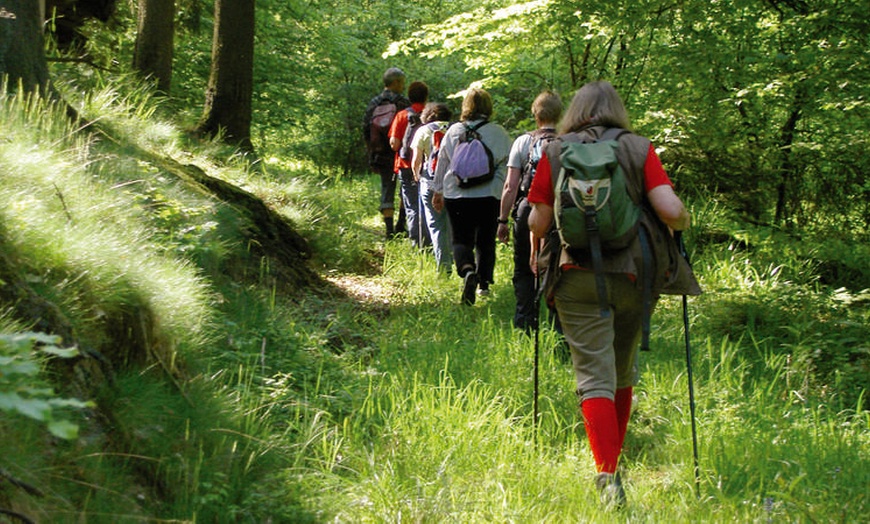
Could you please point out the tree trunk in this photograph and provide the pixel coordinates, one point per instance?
(230, 85)
(154, 41)
(22, 59)
(788, 176)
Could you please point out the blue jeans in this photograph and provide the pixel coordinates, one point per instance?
(411, 201)
(438, 225)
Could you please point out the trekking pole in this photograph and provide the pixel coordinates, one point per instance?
(421, 215)
(537, 331)
(678, 236)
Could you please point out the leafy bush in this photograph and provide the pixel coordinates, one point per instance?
(24, 391)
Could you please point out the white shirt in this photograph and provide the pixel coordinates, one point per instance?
(423, 143)
(520, 151)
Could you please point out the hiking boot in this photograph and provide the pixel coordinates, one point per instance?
(610, 490)
(469, 287)
(388, 226)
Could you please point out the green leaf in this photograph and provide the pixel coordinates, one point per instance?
(60, 352)
(70, 403)
(63, 429)
(37, 409)
(33, 408)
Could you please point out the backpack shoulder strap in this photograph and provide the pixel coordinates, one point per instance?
(612, 133)
(542, 133)
(476, 127)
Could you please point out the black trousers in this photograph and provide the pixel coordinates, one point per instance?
(474, 224)
(523, 278)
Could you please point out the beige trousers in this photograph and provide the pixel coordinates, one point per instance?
(603, 350)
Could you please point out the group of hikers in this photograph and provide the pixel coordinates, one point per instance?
(594, 217)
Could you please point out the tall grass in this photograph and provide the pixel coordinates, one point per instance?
(396, 403)
(123, 250)
(443, 430)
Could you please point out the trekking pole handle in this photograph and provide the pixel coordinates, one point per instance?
(678, 237)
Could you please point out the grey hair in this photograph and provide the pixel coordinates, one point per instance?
(391, 75)
(596, 103)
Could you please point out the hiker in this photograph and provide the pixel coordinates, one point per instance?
(407, 121)
(376, 125)
(471, 197)
(604, 344)
(426, 147)
(523, 160)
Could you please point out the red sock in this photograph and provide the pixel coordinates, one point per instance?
(602, 430)
(623, 411)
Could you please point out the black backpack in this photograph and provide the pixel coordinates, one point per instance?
(382, 110)
(540, 139)
(414, 123)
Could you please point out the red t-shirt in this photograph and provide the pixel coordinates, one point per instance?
(397, 130)
(541, 191)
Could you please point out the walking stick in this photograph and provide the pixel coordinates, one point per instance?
(421, 215)
(537, 330)
(678, 236)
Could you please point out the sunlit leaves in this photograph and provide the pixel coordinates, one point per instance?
(19, 383)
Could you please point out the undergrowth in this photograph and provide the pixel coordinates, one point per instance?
(374, 395)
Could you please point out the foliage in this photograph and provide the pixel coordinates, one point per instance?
(390, 401)
(22, 391)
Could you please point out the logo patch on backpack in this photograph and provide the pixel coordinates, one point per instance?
(472, 161)
(592, 197)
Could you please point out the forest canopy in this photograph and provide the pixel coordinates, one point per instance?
(761, 103)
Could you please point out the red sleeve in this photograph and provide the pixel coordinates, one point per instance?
(541, 191)
(400, 122)
(653, 173)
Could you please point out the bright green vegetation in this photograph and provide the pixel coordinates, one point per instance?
(211, 387)
(396, 403)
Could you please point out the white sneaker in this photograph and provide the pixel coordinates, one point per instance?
(483, 292)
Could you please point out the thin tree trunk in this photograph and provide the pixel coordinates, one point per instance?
(230, 85)
(789, 176)
(154, 41)
(22, 58)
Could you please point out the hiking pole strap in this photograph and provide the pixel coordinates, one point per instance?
(597, 260)
(647, 287)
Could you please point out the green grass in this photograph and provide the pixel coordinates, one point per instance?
(444, 433)
(397, 403)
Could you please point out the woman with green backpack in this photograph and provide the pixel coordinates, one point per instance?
(604, 329)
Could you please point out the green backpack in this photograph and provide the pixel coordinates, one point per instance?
(593, 209)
